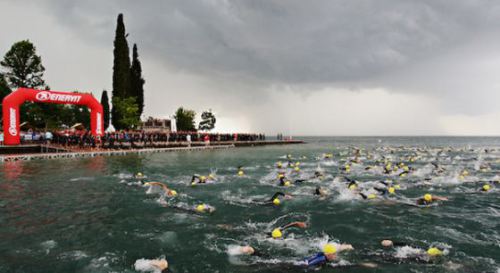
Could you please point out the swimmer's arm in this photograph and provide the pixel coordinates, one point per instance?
(294, 224)
(440, 198)
(276, 195)
(344, 247)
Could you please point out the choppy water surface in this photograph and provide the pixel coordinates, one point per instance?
(88, 215)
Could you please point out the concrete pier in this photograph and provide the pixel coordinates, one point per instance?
(55, 152)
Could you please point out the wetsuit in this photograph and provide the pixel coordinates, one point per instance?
(317, 260)
(422, 201)
(276, 195)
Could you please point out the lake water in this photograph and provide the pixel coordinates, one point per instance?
(89, 215)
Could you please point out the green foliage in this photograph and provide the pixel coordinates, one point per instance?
(121, 71)
(136, 81)
(22, 67)
(207, 122)
(105, 108)
(185, 119)
(4, 91)
(128, 109)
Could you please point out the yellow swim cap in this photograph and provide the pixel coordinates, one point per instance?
(428, 197)
(241, 173)
(397, 187)
(139, 174)
(392, 190)
(276, 201)
(486, 187)
(329, 249)
(371, 196)
(202, 178)
(402, 174)
(465, 173)
(287, 183)
(173, 193)
(353, 187)
(200, 207)
(297, 169)
(276, 233)
(406, 168)
(433, 251)
(461, 177)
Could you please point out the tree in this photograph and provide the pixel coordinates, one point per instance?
(185, 119)
(105, 108)
(128, 109)
(121, 70)
(4, 91)
(136, 81)
(207, 122)
(22, 67)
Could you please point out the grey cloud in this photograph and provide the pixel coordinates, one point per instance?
(291, 42)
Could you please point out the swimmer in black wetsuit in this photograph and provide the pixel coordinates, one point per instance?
(276, 200)
(428, 199)
(277, 233)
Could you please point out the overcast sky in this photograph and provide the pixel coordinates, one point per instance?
(332, 67)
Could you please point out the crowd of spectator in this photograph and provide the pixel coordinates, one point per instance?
(82, 139)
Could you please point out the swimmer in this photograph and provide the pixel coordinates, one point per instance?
(485, 188)
(321, 192)
(277, 233)
(275, 200)
(319, 174)
(240, 171)
(167, 191)
(198, 179)
(428, 199)
(418, 255)
(386, 192)
(203, 208)
(139, 175)
(328, 254)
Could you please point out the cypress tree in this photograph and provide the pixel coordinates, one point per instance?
(136, 81)
(105, 108)
(121, 70)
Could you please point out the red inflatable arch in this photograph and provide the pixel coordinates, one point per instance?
(12, 102)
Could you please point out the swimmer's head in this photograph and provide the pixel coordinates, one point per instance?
(276, 202)
(352, 186)
(392, 190)
(139, 174)
(240, 173)
(280, 175)
(371, 196)
(434, 251)
(329, 249)
(203, 178)
(486, 187)
(201, 208)
(387, 243)
(297, 169)
(397, 187)
(276, 234)
(287, 183)
(428, 197)
(330, 252)
(172, 193)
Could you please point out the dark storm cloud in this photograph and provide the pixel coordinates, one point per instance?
(286, 42)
